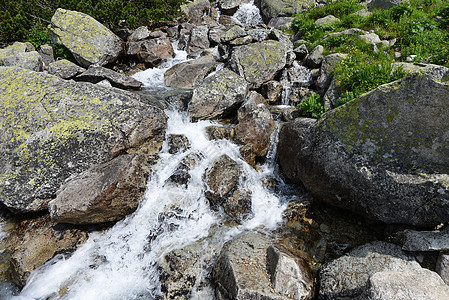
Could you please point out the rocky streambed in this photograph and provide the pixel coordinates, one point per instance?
(172, 162)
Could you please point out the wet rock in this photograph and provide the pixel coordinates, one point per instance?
(181, 175)
(141, 33)
(286, 113)
(241, 271)
(442, 267)
(27, 60)
(199, 40)
(327, 20)
(229, 7)
(348, 276)
(96, 74)
(259, 62)
(33, 242)
(301, 52)
(229, 21)
(281, 8)
(221, 179)
(65, 69)
(220, 132)
(89, 41)
(369, 157)
(155, 51)
(255, 124)
(105, 193)
(315, 57)
(47, 53)
(238, 207)
(281, 23)
(178, 143)
(416, 284)
(273, 91)
(298, 76)
(188, 74)
(426, 240)
(61, 128)
(328, 65)
(218, 95)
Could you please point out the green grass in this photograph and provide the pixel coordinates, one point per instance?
(312, 107)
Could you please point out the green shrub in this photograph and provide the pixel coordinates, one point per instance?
(312, 107)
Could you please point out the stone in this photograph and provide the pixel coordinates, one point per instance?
(350, 31)
(383, 4)
(181, 174)
(281, 8)
(229, 7)
(233, 33)
(280, 36)
(215, 34)
(416, 284)
(195, 10)
(215, 132)
(178, 143)
(369, 157)
(105, 193)
(14, 49)
(259, 62)
(425, 240)
(301, 52)
(348, 276)
(64, 69)
(221, 179)
(141, 33)
(34, 242)
(238, 206)
(218, 95)
(370, 38)
(259, 34)
(190, 73)
(255, 124)
(199, 40)
(89, 41)
(273, 91)
(229, 21)
(47, 53)
(155, 51)
(327, 66)
(53, 129)
(327, 20)
(281, 23)
(332, 94)
(96, 74)
(285, 113)
(442, 267)
(242, 268)
(27, 60)
(315, 57)
(298, 76)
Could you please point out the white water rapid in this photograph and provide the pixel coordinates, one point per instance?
(122, 262)
(248, 13)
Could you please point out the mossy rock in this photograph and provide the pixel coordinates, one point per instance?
(281, 8)
(52, 129)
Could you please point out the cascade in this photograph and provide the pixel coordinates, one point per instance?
(249, 14)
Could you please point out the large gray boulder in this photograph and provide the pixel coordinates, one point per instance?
(65, 69)
(218, 95)
(281, 8)
(259, 62)
(243, 268)
(188, 74)
(14, 49)
(53, 129)
(221, 179)
(27, 60)
(199, 40)
(96, 74)
(327, 66)
(89, 41)
(370, 156)
(107, 192)
(155, 51)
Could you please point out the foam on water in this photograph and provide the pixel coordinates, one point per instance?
(121, 263)
(249, 14)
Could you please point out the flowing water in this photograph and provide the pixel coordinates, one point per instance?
(248, 13)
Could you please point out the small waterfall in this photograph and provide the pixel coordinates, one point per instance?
(248, 14)
(122, 262)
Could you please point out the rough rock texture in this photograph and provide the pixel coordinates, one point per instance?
(65, 69)
(14, 49)
(155, 51)
(47, 53)
(178, 143)
(238, 206)
(241, 271)
(273, 91)
(259, 62)
(181, 175)
(196, 9)
(33, 242)
(218, 95)
(53, 129)
(199, 40)
(139, 34)
(281, 8)
(348, 275)
(96, 74)
(188, 74)
(232, 34)
(409, 285)
(229, 7)
(104, 193)
(221, 179)
(281, 23)
(383, 4)
(442, 267)
(27, 60)
(327, 20)
(329, 63)
(255, 124)
(89, 41)
(426, 240)
(370, 157)
(315, 57)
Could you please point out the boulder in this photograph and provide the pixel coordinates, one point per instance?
(107, 192)
(89, 41)
(229, 7)
(297, 75)
(181, 174)
(218, 95)
(215, 34)
(442, 267)
(327, 66)
(218, 132)
(155, 51)
(229, 21)
(14, 49)
(255, 124)
(301, 52)
(238, 206)
(233, 33)
(273, 91)
(281, 8)
(281, 23)
(198, 41)
(416, 284)
(53, 129)
(65, 69)
(383, 4)
(141, 33)
(243, 268)
(315, 57)
(348, 276)
(47, 53)
(33, 242)
(96, 74)
(221, 179)
(259, 62)
(327, 20)
(178, 143)
(332, 94)
(425, 240)
(195, 10)
(188, 74)
(27, 60)
(370, 157)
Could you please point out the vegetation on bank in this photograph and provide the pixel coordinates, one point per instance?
(420, 27)
(27, 19)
